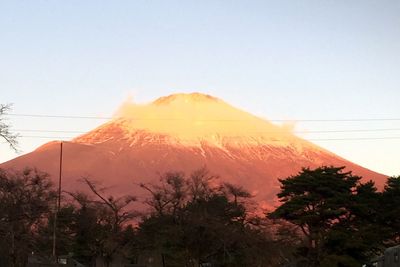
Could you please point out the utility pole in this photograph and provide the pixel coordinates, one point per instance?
(58, 204)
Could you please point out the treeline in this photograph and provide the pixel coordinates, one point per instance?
(327, 217)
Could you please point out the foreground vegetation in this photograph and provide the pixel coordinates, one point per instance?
(327, 218)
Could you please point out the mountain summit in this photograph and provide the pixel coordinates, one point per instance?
(191, 119)
(185, 132)
(187, 98)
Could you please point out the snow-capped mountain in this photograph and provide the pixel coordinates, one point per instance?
(185, 132)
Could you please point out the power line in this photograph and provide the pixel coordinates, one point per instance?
(356, 138)
(350, 131)
(297, 132)
(57, 116)
(183, 119)
(46, 137)
(50, 131)
(274, 140)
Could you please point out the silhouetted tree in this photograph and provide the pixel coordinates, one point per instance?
(336, 215)
(64, 232)
(167, 196)
(357, 237)
(5, 132)
(25, 202)
(196, 220)
(110, 214)
(390, 210)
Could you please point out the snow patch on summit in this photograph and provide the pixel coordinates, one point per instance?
(193, 121)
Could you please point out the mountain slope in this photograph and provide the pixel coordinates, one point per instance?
(184, 132)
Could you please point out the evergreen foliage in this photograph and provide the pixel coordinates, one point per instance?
(338, 215)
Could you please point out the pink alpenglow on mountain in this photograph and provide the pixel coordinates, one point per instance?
(185, 132)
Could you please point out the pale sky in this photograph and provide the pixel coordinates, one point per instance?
(291, 60)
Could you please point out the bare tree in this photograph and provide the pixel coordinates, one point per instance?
(118, 206)
(113, 214)
(5, 131)
(169, 195)
(236, 192)
(175, 190)
(202, 184)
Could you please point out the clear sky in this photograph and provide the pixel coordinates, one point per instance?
(294, 60)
